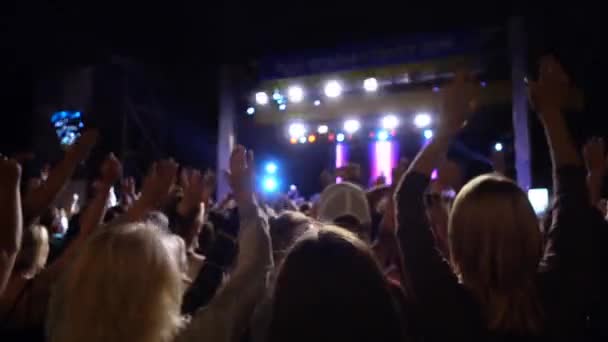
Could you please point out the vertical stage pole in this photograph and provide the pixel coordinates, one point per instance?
(517, 46)
(226, 129)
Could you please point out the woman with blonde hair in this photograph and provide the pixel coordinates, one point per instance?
(127, 284)
(23, 306)
(503, 282)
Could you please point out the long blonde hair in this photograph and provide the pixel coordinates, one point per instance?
(124, 286)
(496, 246)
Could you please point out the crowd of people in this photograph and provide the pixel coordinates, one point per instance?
(401, 262)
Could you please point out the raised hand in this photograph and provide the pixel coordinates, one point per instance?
(83, 146)
(459, 100)
(127, 191)
(594, 152)
(210, 182)
(37, 200)
(111, 170)
(548, 97)
(10, 172)
(11, 220)
(159, 181)
(549, 94)
(193, 187)
(241, 173)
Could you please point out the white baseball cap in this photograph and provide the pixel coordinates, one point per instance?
(343, 199)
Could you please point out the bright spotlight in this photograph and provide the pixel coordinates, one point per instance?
(282, 106)
(270, 184)
(302, 140)
(312, 138)
(428, 133)
(422, 120)
(323, 129)
(295, 94)
(370, 84)
(382, 135)
(351, 126)
(498, 147)
(390, 122)
(261, 98)
(250, 111)
(317, 103)
(297, 130)
(276, 95)
(271, 168)
(340, 137)
(333, 89)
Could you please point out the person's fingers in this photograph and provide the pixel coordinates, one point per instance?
(237, 159)
(250, 158)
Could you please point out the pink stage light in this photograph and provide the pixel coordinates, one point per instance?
(383, 160)
(434, 174)
(340, 158)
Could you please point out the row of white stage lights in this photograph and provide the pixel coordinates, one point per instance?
(296, 94)
(351, 126)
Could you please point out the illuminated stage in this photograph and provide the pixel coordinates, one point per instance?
(367, 104)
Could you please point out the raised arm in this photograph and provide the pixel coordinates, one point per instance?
(90, 219)
(41, 197)
(568, 262)
(155, 190)
(10, 218)
(435, 287)
(569, 235)
(228, 314)
(191, 209)
(594, 152)
(111, 171)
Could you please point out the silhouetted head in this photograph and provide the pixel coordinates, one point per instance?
(330, 287)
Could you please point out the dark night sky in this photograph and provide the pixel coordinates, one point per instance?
(185, 42)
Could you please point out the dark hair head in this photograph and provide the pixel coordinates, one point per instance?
(330, 287)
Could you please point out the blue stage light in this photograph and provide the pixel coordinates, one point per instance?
(428, 133)
(382, 135)
(270, 184)
(340, 137)
(271, 168)
(498, 147)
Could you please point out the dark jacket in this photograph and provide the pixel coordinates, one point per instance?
(448, 310)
